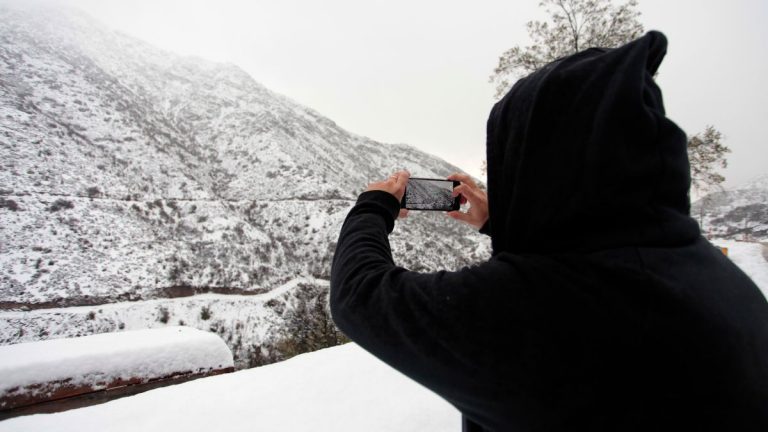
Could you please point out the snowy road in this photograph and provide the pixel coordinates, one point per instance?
(274, 293)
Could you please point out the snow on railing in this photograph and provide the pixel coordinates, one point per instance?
(36, 372)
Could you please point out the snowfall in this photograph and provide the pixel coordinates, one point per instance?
(338, 389)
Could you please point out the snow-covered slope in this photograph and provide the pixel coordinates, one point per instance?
(128, 170)
(130, 174)
(337, 389)
(738, 214)
(258, 329)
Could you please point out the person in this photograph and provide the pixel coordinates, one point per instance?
(602, 307)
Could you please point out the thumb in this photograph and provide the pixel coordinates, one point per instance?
(464, 217)
(401, 182)
(402, 179)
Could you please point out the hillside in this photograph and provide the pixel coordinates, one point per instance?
(135, 177)
(740, 213)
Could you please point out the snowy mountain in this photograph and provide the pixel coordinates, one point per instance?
(738, 214)
(134, 180)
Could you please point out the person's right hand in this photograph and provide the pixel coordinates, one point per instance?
(478, 201)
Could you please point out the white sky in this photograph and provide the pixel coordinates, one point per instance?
(416, 72)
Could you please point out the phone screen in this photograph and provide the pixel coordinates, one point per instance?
(430, 194)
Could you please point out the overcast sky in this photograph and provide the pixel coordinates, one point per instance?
(416, 72)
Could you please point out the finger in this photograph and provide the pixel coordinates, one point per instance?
(403, 213)
(377, 185)
(401, 182)
(462, 200)
(392, 179)
(471, 194)
(464, 178)
(402, 177)
(464, 217)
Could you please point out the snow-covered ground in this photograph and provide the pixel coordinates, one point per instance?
(752, 258)
(338, 389)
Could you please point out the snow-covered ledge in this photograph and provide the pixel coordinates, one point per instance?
(36, 372)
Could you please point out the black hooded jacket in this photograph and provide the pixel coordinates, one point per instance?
(602, 307)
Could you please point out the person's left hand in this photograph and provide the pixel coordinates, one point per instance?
(395, 185)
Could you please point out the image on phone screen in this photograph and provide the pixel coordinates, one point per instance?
(430, 194)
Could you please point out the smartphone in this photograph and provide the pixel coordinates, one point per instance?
(430, 194)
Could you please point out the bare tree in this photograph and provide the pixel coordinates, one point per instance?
(573, 25)
(707, 154)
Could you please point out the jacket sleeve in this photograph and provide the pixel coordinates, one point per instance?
(486, 228)
(433, 327)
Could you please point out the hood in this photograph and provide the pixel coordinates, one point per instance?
(582, 157)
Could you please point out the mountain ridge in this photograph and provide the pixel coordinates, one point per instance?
(738, 213)
(130, 173)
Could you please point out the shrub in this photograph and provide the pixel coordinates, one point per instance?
(205, 313)
(61, 204)
(93, 192)
(163, 315)
(9, 204)
(308, 325)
